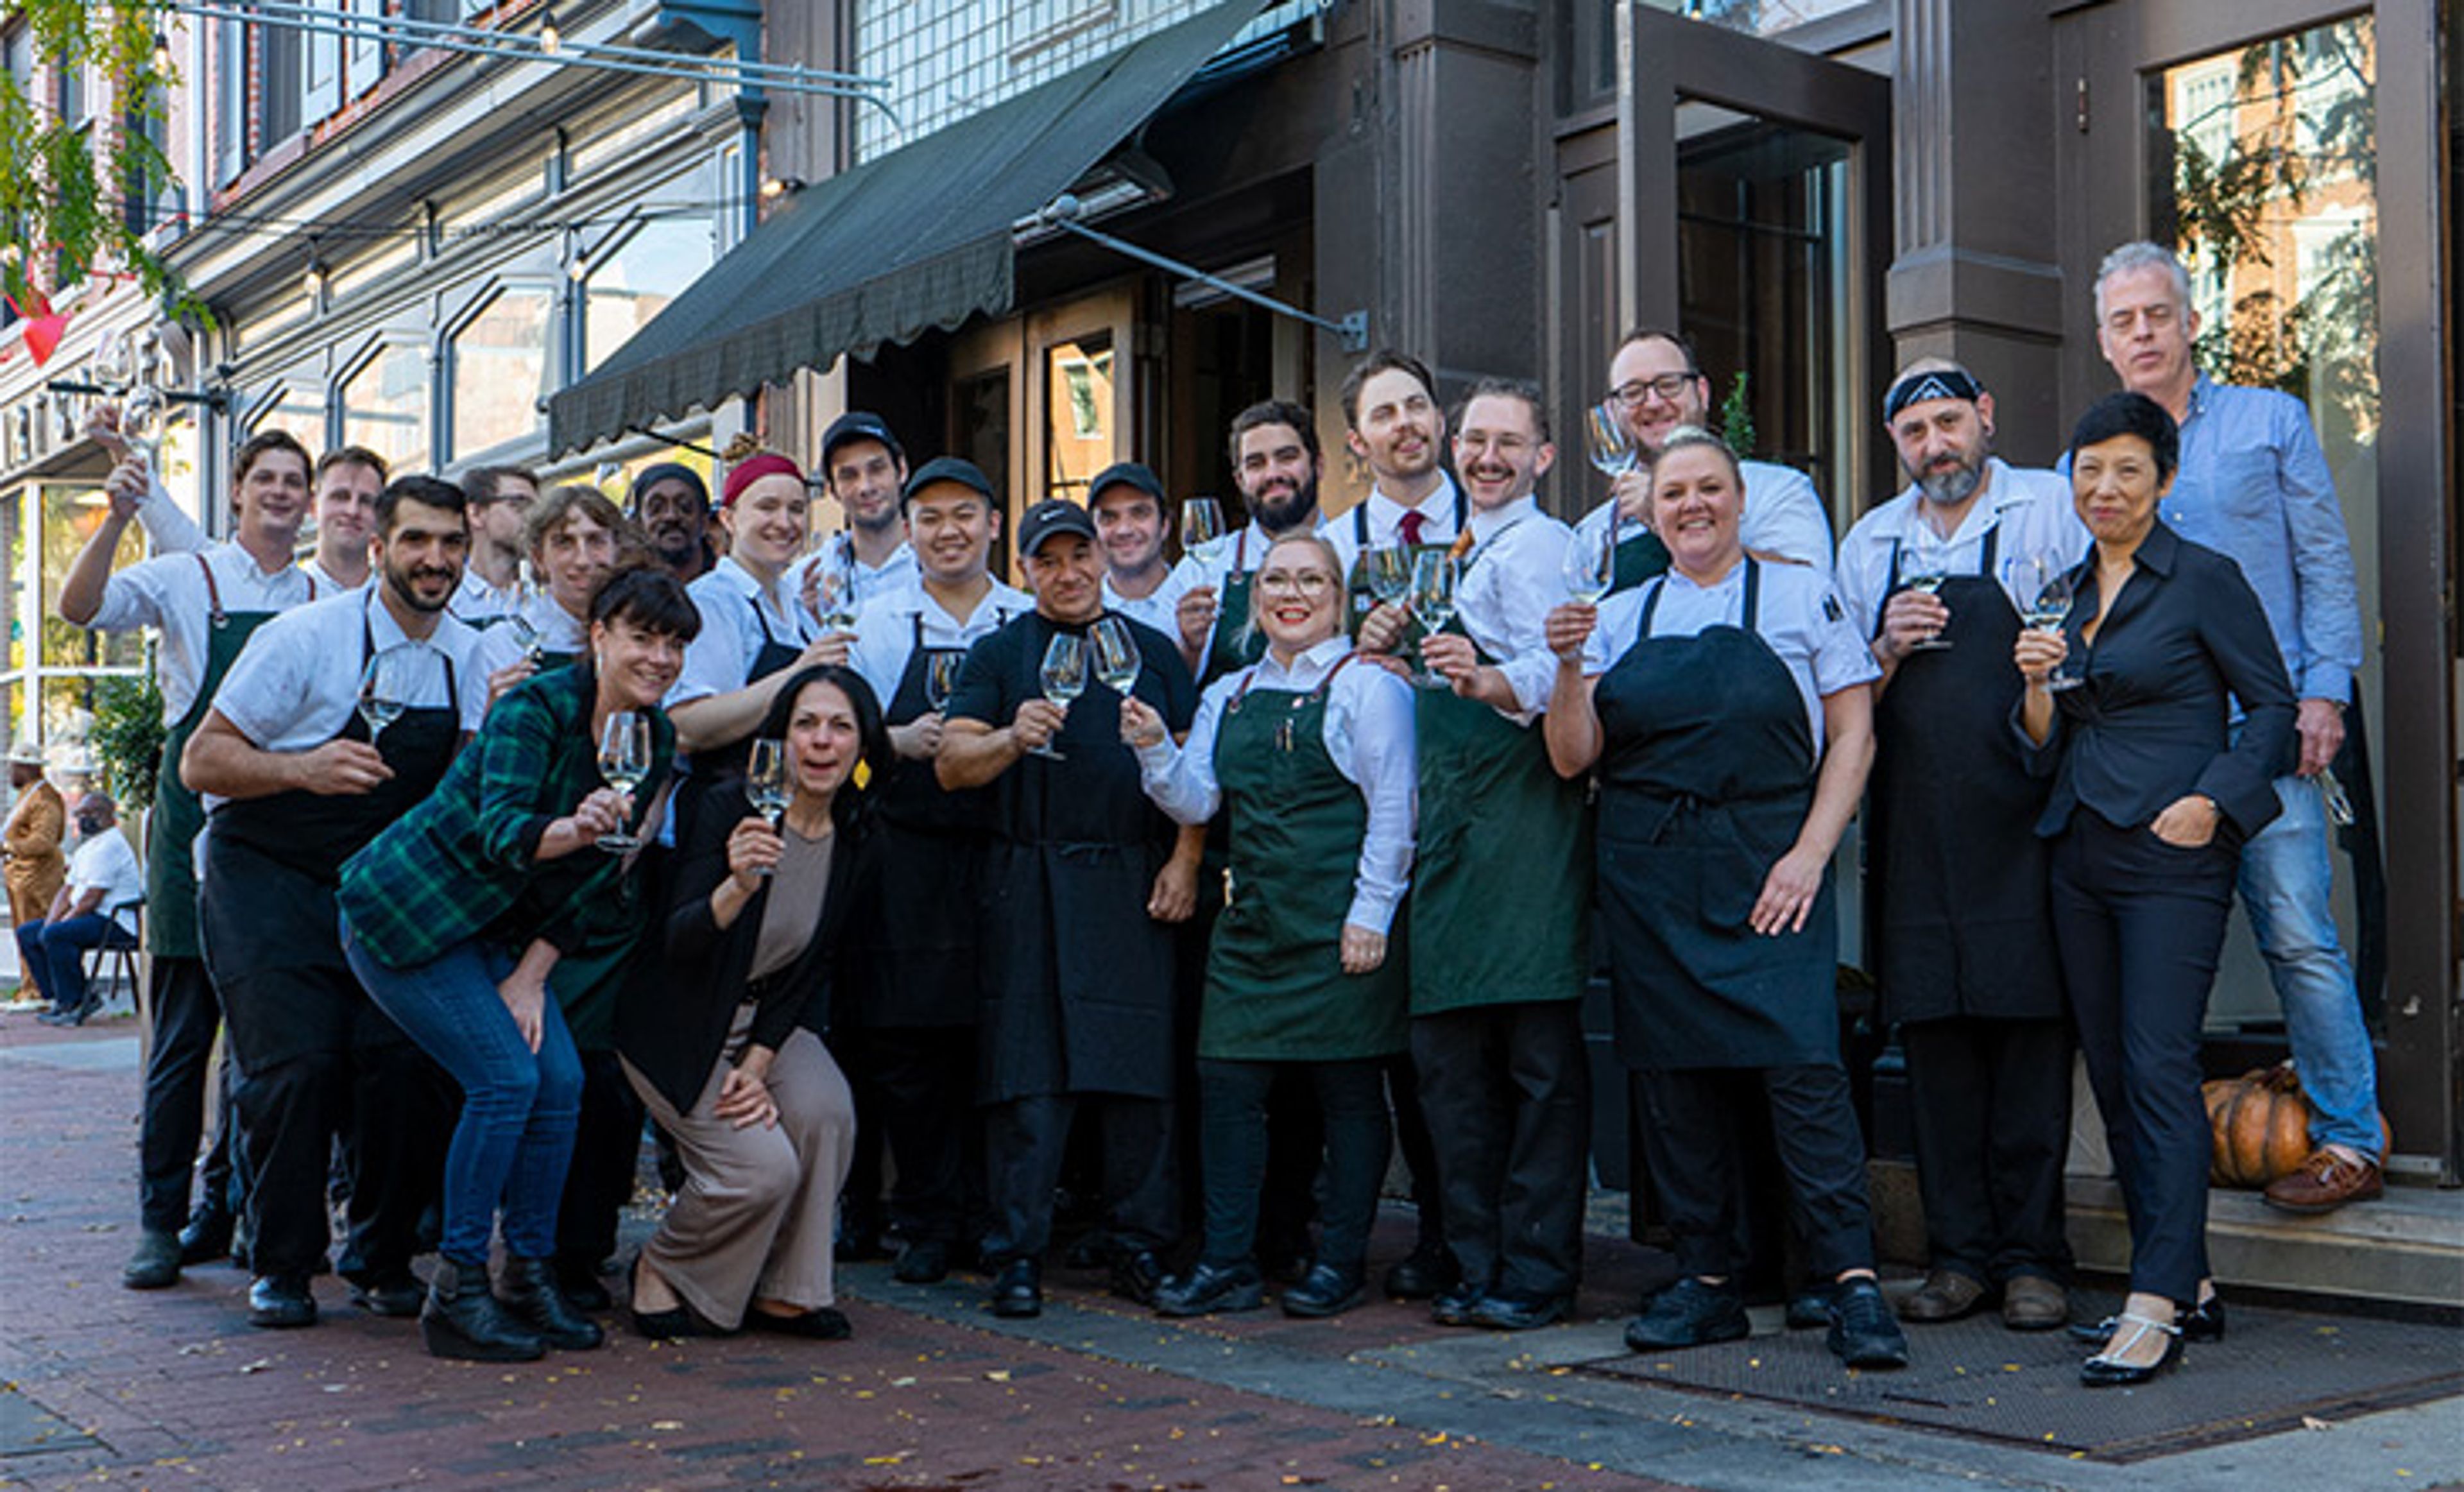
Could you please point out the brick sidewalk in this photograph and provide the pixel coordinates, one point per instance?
(173, 1389)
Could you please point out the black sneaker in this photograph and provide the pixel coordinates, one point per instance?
(1688, 1313)
(1864, 1331)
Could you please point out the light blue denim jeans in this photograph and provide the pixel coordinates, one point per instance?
(2288, 889)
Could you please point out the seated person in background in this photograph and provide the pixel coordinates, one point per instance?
(87, 913)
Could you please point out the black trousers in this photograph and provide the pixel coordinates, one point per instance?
(2140, 923)
(1691, 1144)
(1233, 1101)
(1025, 1140)
(1420, 1151)
(607, 1155)
(1990, 1102)
(1508, 1092)
(920, 1082)
(186, 1012)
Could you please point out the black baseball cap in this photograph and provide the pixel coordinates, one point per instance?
(858, 425)
(1050, 516)
(948, 468)
(1124, 474)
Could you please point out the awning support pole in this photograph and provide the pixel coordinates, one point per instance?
(1350, 331)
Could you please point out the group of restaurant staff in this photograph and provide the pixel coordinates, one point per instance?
(818, 853)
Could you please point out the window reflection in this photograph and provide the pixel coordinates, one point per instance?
(500, 371)
(635, 282)
(384, 408)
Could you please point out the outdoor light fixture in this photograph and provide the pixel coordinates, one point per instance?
(313, 283)
(551, 39)
(776, 186)
(162, 53)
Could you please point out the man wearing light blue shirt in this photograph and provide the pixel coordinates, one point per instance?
(2253, 484)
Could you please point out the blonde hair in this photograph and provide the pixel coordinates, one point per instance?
(1325, 552)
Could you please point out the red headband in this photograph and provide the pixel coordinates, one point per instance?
(745, 474)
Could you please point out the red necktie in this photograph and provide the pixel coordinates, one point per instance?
(1414, 519)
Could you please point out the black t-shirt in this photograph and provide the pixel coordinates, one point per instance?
(1092, 796)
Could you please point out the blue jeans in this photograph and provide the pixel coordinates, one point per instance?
(2287, 889)
(54, 953)
(519, 1108)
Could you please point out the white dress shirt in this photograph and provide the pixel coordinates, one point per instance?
(1514, 573)
(480, 603)
(871, 581)
(1368, 733)
(558, 632)
(1385, 522)
(169, 594)
(298, 681)
(1159, 608)
(885, 629)
(734, 611)
(1784, 515)
(2029, 510)
(1797, 613)
(103, 861)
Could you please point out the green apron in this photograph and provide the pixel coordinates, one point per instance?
(171, 839)
(1275, 986)
(1234, 646)
(1502, 887)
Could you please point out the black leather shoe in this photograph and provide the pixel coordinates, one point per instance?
(395, 1293)
(462, 1319)
(208, 1237)
(1210, 1288)
(1688, 1313)
(71, 1016)
(2204, 1321)
(279, 1302)
(1455, 1306)
(1426, 1273)
(1018, 1290)
(1809, 1309)
(584, 1290)
(926, 1262)
(2106, 1373)
(529, 1293)
(1136, 1276)
(1326, 1290)
(1864, 1331)
(822, 1324)
(1508, 1313)
(155, 1265)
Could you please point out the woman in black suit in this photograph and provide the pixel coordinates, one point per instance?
(723, 1045)
(2154, 794)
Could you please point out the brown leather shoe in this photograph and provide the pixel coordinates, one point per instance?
(2033, 1303)
(2327, 1182)
(1947, 1295)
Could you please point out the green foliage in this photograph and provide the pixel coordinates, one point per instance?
(127, 737)
(1737, 419)
(61, 180)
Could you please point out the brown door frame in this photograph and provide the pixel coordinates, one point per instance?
(2107, 49)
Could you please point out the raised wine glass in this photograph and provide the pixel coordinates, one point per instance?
(1433, 601)
(1117, 655)
(1390, 573)
(1590, 564)
(624, 760)
(765, 781)
(1202, 523)
(1924, 563)
(526, 593)
(1608, 442)
(384, 689)
(114, 364)
(2042, 584)
(1064, 679)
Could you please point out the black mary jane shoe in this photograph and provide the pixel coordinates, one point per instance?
(2102, 1372)
(2204, 1321)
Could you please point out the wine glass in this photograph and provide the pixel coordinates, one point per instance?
(624, 760)
(1390, 572)
(1117, 655)
(2041, 584)
(1202, 523)
(1064, 679)
(526, 592)
(834, 593)
(765, 781)
(1924, 563)
(114, 364)
(941, 677)
(1609, 443)
(1590, 564)
(384, 689)
(1433, 599)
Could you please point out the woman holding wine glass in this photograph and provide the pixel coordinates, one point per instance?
(1310, 758)
(456, 916)
(726, 1052)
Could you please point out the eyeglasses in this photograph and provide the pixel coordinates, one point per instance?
(1311, 584)
(1670, 386)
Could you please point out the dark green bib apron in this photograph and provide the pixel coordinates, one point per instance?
(1234, 646)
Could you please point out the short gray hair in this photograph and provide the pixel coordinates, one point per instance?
(2142, 254)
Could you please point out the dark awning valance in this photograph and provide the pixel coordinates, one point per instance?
(917, 238)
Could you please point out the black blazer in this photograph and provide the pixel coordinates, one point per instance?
(2186, 639)
(673, 1018)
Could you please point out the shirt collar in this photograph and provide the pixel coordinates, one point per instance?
(740, 580)
(2158, 550)
(1311, 664)
(1438, 507)
(1486, 523)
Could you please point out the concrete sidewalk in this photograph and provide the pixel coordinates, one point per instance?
(113, 1388)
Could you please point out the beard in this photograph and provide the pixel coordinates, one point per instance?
(1280, 513)
(1950, 487)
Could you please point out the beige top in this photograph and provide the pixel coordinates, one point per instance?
(793, 912)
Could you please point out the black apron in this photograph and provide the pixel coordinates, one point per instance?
(272, 865)
(712, 765)
(1077, 978)
(918, 963)
(1957, 909)
(171, 838)
(1637, 559)
(1706, 772)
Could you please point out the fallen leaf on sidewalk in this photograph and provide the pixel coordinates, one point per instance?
(258, 1366)
(2312, 1422)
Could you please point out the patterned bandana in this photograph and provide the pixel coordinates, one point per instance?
(1935, 383)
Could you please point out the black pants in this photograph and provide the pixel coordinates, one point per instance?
(1025, 1142)
(1691, 1144)
(2140, 923)
(1420, 1152)
(921, 1085)
(186, 1014)
(1508, 1092)
(606, 1153)
(1990, 1105)
(1233, 1127)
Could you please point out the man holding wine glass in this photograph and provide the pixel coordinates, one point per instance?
(1960, 922)
(1496, 1030)
(1393, 423)
(905, 1020)
(1083, 881)
(308, 750)
(1126, 501)
(863, 468)
(1276, 464)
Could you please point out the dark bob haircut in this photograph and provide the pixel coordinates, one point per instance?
(2131, 414)
(651, 598)
(871, 732)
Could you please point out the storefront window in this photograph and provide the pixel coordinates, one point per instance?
(384, 406)
(627, 287)
(1078, 413)
(298, 409)
(70, 516)
(500, 371)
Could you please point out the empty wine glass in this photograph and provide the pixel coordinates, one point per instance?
(1065, 678)
(1202, 523)
(114, 364)
(526, 593)
(624, 760)
(941, 677)
(1590, 564)
(834, 601)
(1117, 655)
(2041, 584)
(1924, 563)
(385, 687)
(767, 786)
(1609, 443)
(1433, 599)
(1390, 572)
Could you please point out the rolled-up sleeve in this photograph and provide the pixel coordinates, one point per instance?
(1373, 742)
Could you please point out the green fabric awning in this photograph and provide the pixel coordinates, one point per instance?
(915, 239)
